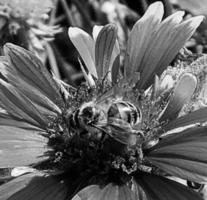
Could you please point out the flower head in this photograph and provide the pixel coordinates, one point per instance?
(119, 135)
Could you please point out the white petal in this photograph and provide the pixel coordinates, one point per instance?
(85, 45)
(18, 171)
(167, 82)
(96, 30)
(88, 77)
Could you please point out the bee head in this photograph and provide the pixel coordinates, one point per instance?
(90, 114)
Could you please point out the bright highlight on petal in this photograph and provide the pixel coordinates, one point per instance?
(18, 171)
(85, 46)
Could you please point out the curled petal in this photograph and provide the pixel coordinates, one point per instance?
(183, 91)
(104, 46)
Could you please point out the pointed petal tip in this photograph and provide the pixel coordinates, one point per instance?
(7, 47)
(10, 47)
(196, 21)
(177, 16)
(73, 31)
(157, 6)
(96, 31)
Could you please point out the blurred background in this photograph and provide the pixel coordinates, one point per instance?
(42, 26)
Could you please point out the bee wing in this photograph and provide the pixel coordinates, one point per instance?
(121, 131)
(106, 96)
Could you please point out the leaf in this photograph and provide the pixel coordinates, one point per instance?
(33, 72)
(183, 155)
(193, 118)
(104, 47)
(160, 188)
(35, 186)
(140, 38)
(109, 192)
(20, 147)
(85, 46)
(182, 93)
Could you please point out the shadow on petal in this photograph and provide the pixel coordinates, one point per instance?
(161, 188)
(35, 186)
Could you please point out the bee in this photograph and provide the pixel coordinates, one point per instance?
(114, 118)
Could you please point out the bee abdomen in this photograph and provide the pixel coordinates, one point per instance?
(126, 111)
(73, 120)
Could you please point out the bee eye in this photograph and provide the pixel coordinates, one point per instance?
(87, 112)
(194, 185)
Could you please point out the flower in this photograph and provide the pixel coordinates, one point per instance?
(78, 143)
(22, 22)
